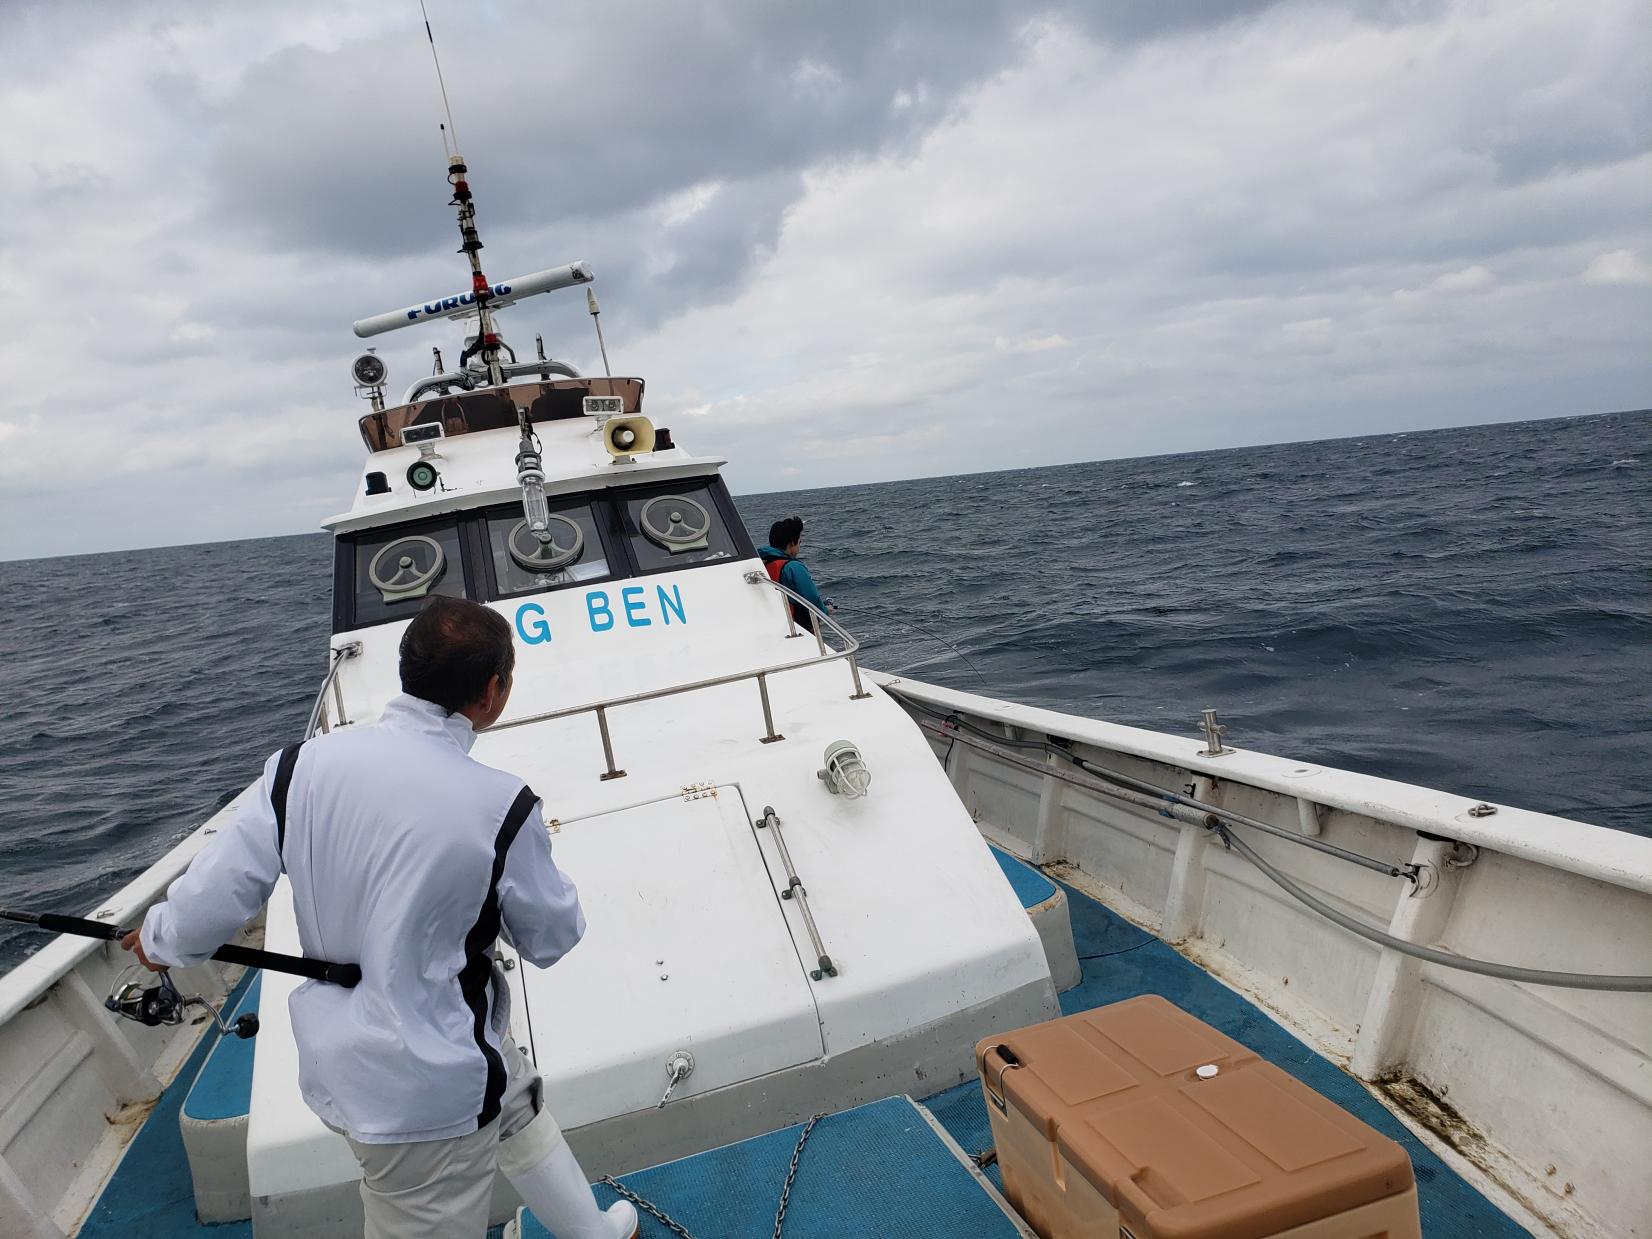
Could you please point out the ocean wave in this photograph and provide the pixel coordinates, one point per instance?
(1488, 584)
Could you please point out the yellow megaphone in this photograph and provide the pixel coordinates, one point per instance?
(628, 436)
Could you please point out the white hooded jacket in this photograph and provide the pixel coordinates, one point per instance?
(409, 858)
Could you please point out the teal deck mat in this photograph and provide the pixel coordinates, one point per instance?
(151, 1193)
(1030, 885)
(223, 1089)
(879, 1169)
(888, 1154)
(1121, 961)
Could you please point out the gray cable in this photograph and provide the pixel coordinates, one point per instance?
(1507, 972)
(1160, 798)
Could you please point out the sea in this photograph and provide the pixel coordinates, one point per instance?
(1468, 609)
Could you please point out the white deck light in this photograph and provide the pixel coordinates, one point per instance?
(846, 773)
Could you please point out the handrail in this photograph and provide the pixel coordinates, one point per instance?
(468, 381)
(1220, 821)
(318, 712)
(1615, 857)
(852, 645)
(796, 892)
(1140, 793)
(760, 674)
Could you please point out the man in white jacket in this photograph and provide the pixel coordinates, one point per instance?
(410, 858)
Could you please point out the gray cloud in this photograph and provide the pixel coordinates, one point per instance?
(901, 241)
(622, 105)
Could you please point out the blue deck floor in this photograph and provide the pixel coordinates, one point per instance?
(879, 1169)
(1121, 961)
(880, 1149)
(151, 1193)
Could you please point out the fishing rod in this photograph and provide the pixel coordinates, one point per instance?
(924, 632)
(346, 975)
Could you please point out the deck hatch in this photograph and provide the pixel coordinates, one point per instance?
(688, 944)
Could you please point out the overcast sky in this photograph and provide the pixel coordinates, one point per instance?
(843, 242)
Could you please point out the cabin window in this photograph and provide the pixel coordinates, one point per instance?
(678, 526)
(381, 575)
(397, 569)
(522, 564)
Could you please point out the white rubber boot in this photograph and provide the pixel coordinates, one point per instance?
(556, 1192)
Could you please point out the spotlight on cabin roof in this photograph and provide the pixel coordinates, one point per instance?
(369, 370)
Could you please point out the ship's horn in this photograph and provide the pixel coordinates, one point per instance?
(628, 436)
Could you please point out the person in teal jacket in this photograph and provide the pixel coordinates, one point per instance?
(780, 558)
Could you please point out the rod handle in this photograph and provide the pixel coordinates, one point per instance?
(347, 976)
(81, 927)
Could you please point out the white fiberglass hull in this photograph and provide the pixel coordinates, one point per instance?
(1540, 1096)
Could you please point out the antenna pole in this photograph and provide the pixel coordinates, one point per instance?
(530, 471)
(596, 317)
(470, 245)
(446, 107)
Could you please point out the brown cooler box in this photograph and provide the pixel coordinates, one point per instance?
(1138, 1120)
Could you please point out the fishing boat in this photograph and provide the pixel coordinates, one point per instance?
(812, 889)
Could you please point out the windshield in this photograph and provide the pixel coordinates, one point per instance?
(677, 527)
(396, 569)
(523, 564)
(383, 574)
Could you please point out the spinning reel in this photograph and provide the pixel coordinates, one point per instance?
(161, 1003)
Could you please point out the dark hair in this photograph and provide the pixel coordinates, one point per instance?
(452, 649)
(784, 532)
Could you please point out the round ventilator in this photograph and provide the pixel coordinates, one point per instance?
(406, 578)
(564, 542)
(675, 522)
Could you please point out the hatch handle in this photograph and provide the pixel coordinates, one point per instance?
(798, 893)
(1007, 1058)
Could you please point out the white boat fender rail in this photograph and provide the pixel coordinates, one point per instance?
(1485, 968)
(1221, 822)
(796, 891)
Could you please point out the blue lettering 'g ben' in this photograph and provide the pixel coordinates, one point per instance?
(634, 605)
(531, 624)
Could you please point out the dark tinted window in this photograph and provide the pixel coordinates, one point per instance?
(677, 527)
(395, 569)
(521, 564)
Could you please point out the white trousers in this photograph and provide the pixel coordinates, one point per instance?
(442, 1189)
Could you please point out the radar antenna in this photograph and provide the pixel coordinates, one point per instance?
(530, 470)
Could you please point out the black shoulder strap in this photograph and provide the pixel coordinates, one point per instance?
(278, 794)
(477, 973)
(508, 829)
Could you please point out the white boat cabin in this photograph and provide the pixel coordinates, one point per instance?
(675, 721)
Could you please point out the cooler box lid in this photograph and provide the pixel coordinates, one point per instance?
(1185, 1131)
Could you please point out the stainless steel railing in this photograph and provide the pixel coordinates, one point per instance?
(849, 653)
(320, 719)
(795, 891)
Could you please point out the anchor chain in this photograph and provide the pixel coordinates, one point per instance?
(681, 1231)
(659, 1215)
(791, 1174)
